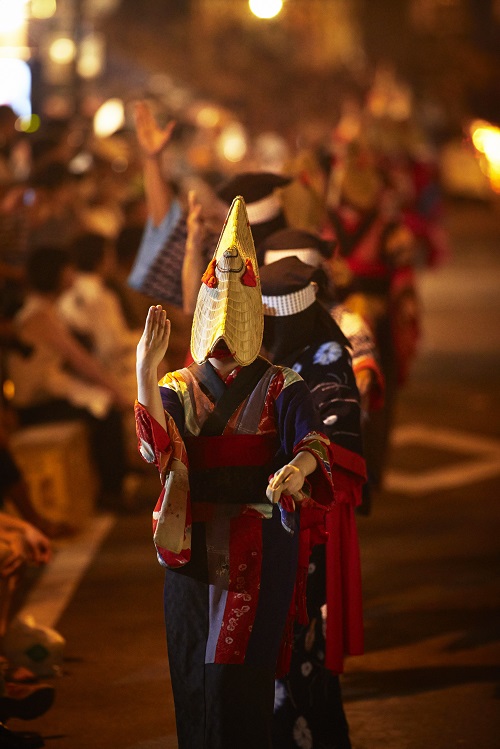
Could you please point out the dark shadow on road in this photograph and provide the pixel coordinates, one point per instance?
(379, 685)
(473, 628)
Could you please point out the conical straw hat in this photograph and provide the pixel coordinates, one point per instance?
(229, 305)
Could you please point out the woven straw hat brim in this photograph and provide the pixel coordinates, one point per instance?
(234, 314)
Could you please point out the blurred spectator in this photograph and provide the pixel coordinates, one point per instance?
(55, 216)
(14, 149)
(61, 380)
(20, 543)
(134, 304)
(373, 272)
(93, 310)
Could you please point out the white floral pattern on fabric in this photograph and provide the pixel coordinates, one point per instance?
(279, 695)
(302, 733)
(330, 420)
(306, 668)
(328, 353)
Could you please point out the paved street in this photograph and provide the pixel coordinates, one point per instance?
(430, 550)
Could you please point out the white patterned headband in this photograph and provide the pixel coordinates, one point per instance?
(307, 255)
(290, 304)
(263, 210)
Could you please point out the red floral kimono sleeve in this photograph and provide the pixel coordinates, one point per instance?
(172, 513)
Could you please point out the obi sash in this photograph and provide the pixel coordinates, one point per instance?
(230, 469)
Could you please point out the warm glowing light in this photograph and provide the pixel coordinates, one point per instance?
(62, 51)
(232, 143)
(109, 118)
(12, 15)
(91, 59)
(486, 140)
(43, 8)
(8, 390)
(491, 145)
(81, 163)
(208, 116)
(28, 124)
(265, 8)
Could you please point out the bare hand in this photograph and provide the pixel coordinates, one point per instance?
(152, 138)
(288, 480)
(153, 344)
(38, 547)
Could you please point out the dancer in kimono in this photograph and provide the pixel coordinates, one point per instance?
(234, 438)
(300, 333)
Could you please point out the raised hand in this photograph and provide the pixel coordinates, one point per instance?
(153, 344)
(151, 137)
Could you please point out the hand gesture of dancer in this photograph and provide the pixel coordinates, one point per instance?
(151, 349)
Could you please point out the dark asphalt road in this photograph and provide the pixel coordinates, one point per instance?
(430, 676)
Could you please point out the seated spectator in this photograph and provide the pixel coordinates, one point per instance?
(61, 380)
(21, 544)
(93, 310)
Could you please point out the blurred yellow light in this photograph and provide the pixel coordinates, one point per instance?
(91, 58)
(12, 15)
(208, 117)
(28, 124)
(43, 8)
(8, 390)
(265, 8)
(491, 145)
(486, 139)
(62, 51)
(495, 180)
(109, 118)
(232, 143)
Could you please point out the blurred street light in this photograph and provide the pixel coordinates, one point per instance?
(232, 143)
(486, 140)
(12, 15)
(109, 118)
(90, 62)
(43, 9)
(62, 50)
(265, 8)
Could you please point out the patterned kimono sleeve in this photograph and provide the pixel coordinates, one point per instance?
(154, 443)
(172, 512)
(300, 429)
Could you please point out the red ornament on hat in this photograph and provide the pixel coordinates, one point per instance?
(209, 278)
(248, 277)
